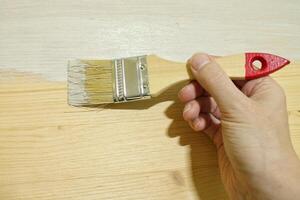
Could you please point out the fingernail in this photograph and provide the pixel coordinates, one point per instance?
(182, 91)
(186, 88)
(187, 107)
(196, 124)
(198, 61)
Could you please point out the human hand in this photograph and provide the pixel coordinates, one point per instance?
(248, 123)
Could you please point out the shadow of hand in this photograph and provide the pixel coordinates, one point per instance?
(203, 157)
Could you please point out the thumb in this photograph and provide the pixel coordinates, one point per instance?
(215, 81)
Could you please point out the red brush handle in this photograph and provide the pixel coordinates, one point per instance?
(269, 64)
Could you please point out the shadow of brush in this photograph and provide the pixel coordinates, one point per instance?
(203, 157)
(165, 95)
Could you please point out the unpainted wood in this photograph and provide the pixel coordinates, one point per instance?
(233, 65)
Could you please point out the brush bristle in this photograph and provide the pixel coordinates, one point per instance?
(90, 82)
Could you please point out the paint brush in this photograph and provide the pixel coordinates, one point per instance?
(94, 82)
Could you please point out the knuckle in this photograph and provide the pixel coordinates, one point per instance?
(278, 91)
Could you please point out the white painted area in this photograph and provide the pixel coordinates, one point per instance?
(41, 36)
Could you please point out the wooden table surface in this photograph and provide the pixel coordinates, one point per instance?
(142, 150)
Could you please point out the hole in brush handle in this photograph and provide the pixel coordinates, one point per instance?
(267, 64)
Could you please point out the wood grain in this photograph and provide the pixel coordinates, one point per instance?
(143, 150)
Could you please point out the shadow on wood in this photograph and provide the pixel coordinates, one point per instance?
(166, 95)
(203, 158)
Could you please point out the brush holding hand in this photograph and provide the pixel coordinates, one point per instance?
(248, 123)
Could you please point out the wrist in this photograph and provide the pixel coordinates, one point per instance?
(281, 180)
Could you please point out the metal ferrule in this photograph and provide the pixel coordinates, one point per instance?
(130, 79)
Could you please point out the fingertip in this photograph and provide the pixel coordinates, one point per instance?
(191, 111)
(198, 124)
(201, 122)
(190, 92)
(182, 94)
(198, 60)
(186, 111)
